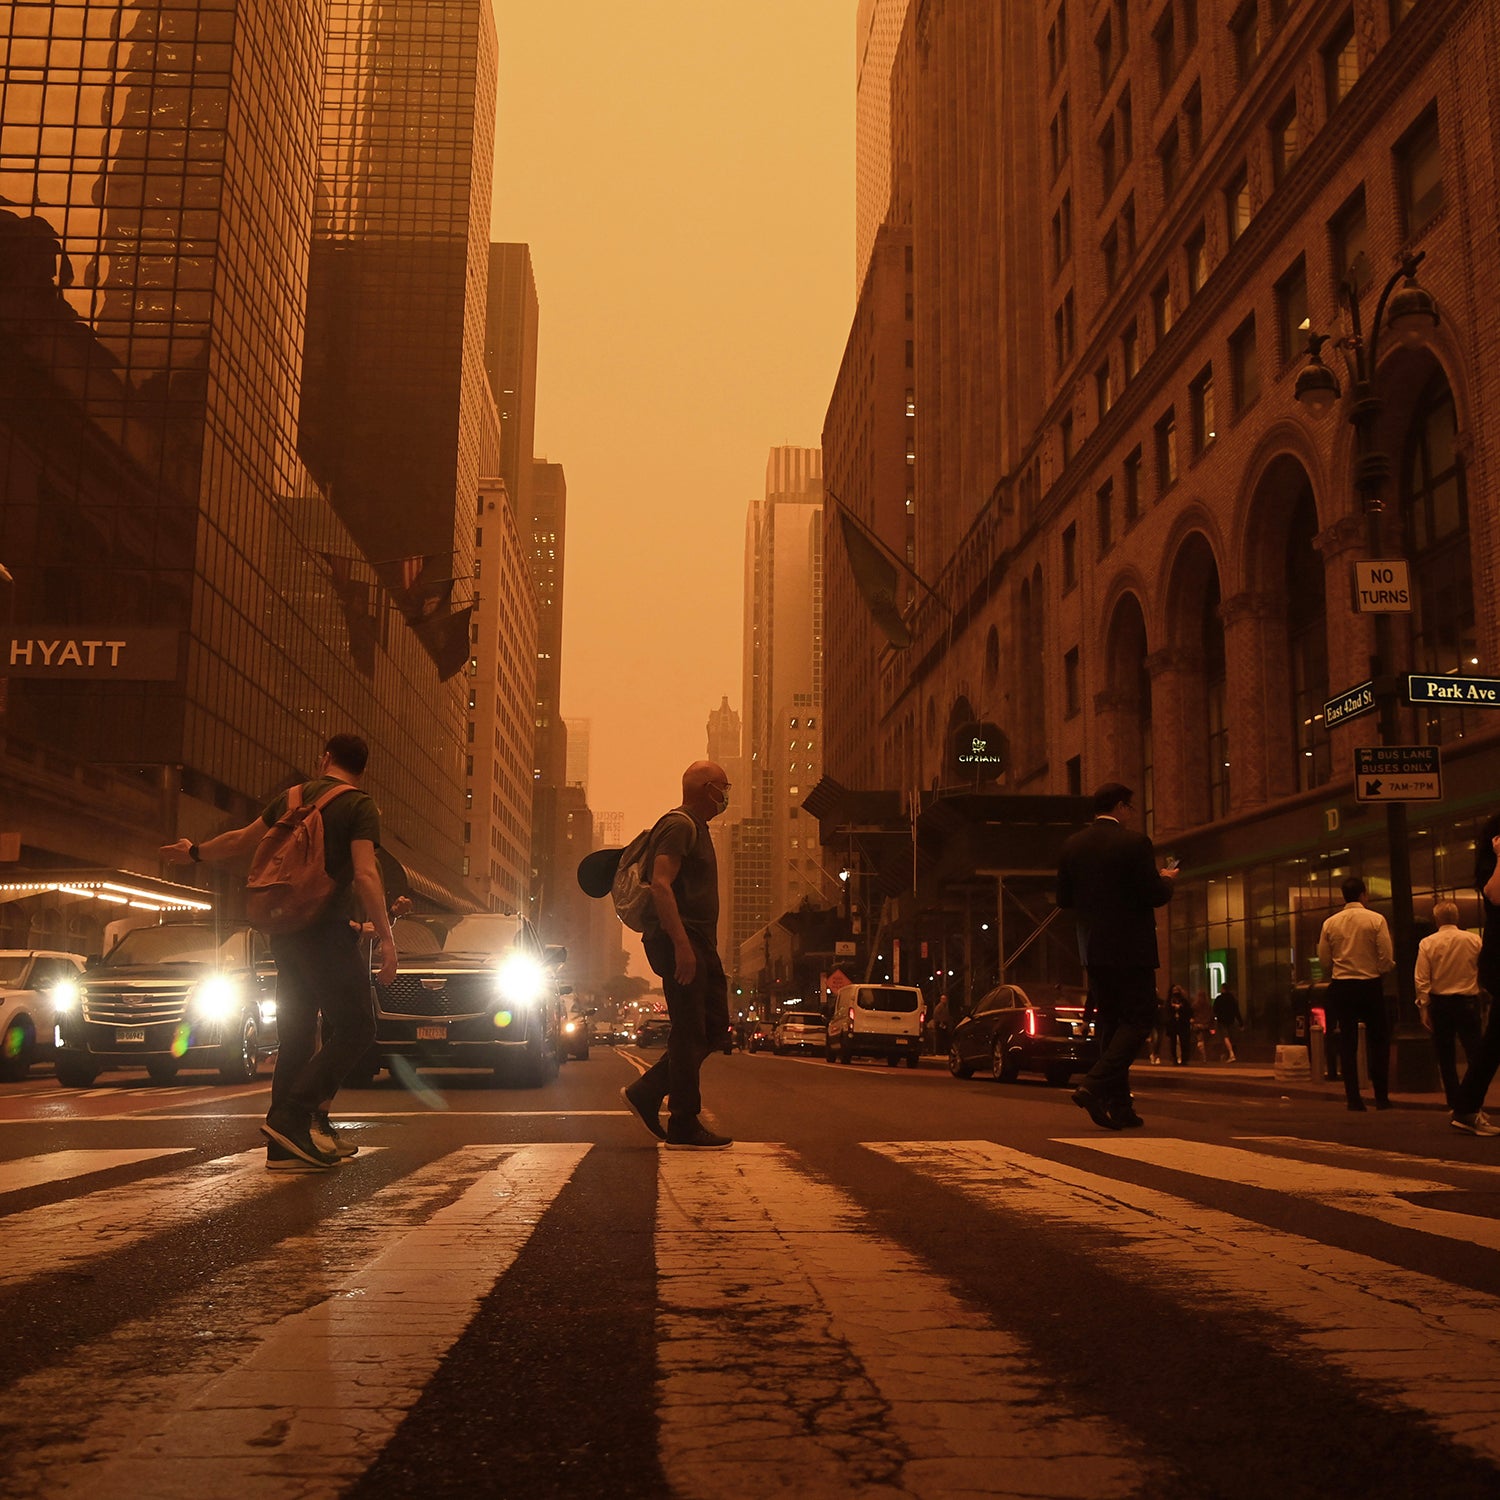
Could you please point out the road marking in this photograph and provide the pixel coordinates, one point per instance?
(290, 1401)
(34, 1171)
(1369, 1153)
(1372, 1194)
(1431, 1347)
(802, 1354)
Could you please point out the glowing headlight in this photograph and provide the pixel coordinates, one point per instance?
(216, 998)
(520, 980)
(66, 994)
(570, 1027)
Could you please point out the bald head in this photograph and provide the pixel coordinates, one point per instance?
(705, 789)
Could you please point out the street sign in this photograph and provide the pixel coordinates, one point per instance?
(1358, 700)
(1398, 773)
(1464, 692)
(843, 950)
(1382, 586)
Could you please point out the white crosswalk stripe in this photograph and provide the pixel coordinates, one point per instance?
(60, 1166)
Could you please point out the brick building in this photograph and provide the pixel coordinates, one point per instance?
(1141, 540)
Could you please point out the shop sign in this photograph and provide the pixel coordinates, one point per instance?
(980, 751)
(71, 651)
(1398, 773)
(1358, 700)
(1465, 692)
(1382, 586)
(843, 950)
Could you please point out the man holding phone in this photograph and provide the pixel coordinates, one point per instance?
(1107, 875)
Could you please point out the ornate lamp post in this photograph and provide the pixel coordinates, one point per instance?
(1409, 315)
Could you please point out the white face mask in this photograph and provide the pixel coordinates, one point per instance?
(721, 798)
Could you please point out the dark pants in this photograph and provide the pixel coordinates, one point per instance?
(1454, 1018)
(1348, 1002)
(699, 1013)
(1123, 999)
(322, 970)
(1481, 1070)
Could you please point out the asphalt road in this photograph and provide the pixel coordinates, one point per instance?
(895, 1284)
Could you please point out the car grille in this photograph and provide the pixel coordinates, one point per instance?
(450, 995)
(129, 1006)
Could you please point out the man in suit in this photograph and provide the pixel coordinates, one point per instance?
(1108, 876)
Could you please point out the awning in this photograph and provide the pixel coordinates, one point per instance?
(424, 888)
(121, 889)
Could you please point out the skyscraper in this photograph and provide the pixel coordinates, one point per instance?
(877, 33)
(510, 350)
(578, 732)
(549, 513)
(726, 747)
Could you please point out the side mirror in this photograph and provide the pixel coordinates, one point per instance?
(554, 955)
(565, 989)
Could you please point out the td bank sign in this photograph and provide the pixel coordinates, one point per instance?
(127, 655)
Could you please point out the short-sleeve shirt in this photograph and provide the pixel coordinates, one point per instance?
(351, 815)
(697, 884)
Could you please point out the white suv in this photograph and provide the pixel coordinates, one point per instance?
(877, 1020)
(27, 976)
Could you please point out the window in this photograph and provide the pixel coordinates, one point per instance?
(1059, 135)
(1189, 12)
(1165, 39)
(1130, 352)
(1111, 252)
(1108, 168)
(1071, 691)
(1286, 142)
(1127, 226)
(1132, 488)
(1237, 204)
(1197, 261)
(1104, 387)
(1244, 368)
(1104, 512)
(1126, 117)
(1074, 767)
(1161, 309)
(1166, 451)
(1065, 436)
(1104, 45)
(1201, 401)
(1070, 555)
(1054, 54)
(1400, 10)
(1058, 347)
(1351, 243)
(1291, 313)
(1167, 153)
(1341, 63)
(1244, 30)
(1419, 165)
(1122, 26)
(911, 402)
(1192, 115)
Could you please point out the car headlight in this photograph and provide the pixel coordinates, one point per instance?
(217, 998)
(520, 980)
(570, 1027)
(66, 995)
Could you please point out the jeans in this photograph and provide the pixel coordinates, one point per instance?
(1454, 1018)
(1481, 1070)
(1350, 1001)
(320, 970)
(699, 1013)
(1123, 998)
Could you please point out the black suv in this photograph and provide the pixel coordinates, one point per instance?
(181, 995)
(1009, 1034)
(470, 992)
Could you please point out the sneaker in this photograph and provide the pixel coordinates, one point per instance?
(649, 1117)
(1098, 1111)
(327, 1139)
(279, 1159)
(696, 1137)
(1474, 1125)
(283, 1129)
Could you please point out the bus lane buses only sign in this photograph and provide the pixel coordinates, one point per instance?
(1398, 773)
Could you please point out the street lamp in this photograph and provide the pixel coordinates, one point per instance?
(1409, 315)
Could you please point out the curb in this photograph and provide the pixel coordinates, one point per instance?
(1169, 1077)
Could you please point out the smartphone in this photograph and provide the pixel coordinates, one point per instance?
(1171, 862)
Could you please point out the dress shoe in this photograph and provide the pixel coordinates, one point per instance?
(1096, 1108)
(1124, 1117)
(648, 1115)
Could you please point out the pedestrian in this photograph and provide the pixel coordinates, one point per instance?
(1227, 1020)
(1468, 1110)
(942, 1026)
(320, 968)
(1354, 948)
(1202, 1022)
(680, 943)
(1448, 993)
(1155, 1043)
(1108, 876)
(1179, 1025)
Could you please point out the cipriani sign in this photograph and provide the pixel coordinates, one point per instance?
(71, 651)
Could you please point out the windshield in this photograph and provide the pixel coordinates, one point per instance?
(487, 935)
(13, 969)
(178, 945)
(888, 997)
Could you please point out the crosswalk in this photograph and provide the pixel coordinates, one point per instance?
(803, 1344)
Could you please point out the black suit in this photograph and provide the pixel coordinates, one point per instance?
(1108, 876)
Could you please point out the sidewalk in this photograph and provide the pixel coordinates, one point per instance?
(1260, 1078)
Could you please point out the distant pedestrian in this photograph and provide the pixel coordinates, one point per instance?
(1354, 947)
(942, 1026)
(320, 968)
(1447, 978)
(1203, 1022)
(1179, 1025)
(1227, 1020)
(1468, 1110)
(1108, 876)
(1156, 1042)
(680, 944)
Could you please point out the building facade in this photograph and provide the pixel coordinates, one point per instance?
(549, 517)
(579, 732)
(510, 352)
(877, 33)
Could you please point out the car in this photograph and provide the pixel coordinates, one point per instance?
(799, 1031)
(759, 1035)
(576, 1034)
(877, 1020)
(173, 996)
(475, 991)
(652, 1031)
(1009, 1034)
(27, 976)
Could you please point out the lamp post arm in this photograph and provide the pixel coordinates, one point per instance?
(1404, 272)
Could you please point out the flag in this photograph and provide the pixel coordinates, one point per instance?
(355, 601)
(875, 578)
(446, 640)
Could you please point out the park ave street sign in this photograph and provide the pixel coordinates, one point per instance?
(1358, 700)
(1398, 773)
(1470, 692)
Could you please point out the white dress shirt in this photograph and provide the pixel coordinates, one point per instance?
(1448, 963)
(1356, 944)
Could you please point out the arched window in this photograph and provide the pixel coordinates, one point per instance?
(1307, 646)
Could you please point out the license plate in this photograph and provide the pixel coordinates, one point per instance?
(432, 1033)
(122, 1035)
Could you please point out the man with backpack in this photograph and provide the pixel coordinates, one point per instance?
(320, 963)
(679, 936)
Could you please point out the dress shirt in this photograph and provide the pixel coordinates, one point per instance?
(1448, 963)
(1356, 944)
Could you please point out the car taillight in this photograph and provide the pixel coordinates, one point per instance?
(851, 1015)
(1030, 1023)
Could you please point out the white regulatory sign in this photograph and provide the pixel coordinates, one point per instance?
(1382, 587)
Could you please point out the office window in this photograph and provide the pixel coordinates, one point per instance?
(1070, 682)
(1062, 233)
(1070, 554)
(1074, 767)
(1131, 497)
(1244, 367)
(1419, 166)
(1167, 153)
(1201, 403)
(1108, 168)
(1067, 309)
(1125, 115)
(1291, 313)
(1351, 242)
(911, 402)
(1161, 309)
(1065, 435)
(1111, 252)
(1286, 140)
(1104, 513)
(1192, 116)
(1197, 261)
(1130, 351)
(1400, 10)
(1237, 205)
(1054, 54)
(1244, 31)
(1341, 62)
(1165, 38)
(1166, 451)
(1059, 349)
(1127, 226)
(1104, 387)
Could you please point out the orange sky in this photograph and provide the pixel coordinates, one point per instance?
(683, 171)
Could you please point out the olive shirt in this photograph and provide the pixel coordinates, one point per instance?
(351, 815)
(697, 884)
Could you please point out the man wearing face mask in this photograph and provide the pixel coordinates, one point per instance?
(680, 943)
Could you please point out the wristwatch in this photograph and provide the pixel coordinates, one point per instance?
(194, 855)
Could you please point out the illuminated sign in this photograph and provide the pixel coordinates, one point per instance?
(980, 750)
(63, 651)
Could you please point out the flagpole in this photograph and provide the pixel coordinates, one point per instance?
(894, 557)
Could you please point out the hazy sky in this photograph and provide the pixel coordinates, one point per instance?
(683, 171)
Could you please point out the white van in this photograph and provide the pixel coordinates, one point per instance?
(877, 1020)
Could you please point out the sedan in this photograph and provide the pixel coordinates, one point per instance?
(1009, 1033)
(800, 1031)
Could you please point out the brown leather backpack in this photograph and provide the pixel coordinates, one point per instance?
(288, 886)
